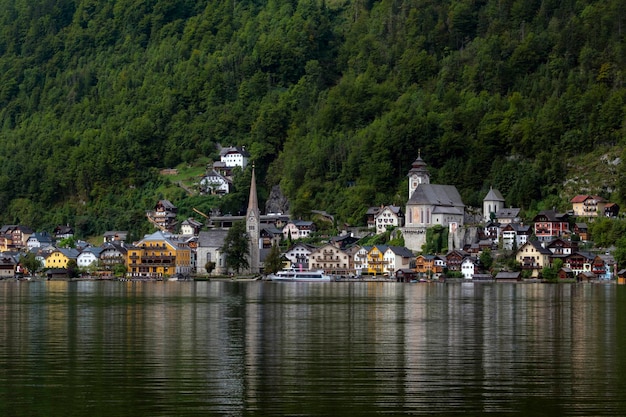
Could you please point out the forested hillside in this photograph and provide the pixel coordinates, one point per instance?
(332, 99)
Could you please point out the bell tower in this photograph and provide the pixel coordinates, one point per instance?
(418, 174)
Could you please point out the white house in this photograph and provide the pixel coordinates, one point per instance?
(468, 267)
(389, 216)
(234, 156)
(39, 240)
(215, 183)
(190, 227)
(299, 254)
(88, 256)
(395, 258)
(514, 234)
(360, 259)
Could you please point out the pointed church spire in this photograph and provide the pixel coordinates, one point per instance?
(253, 223)
(253, 202)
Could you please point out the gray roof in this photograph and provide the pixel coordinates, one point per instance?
(213, 238)
(493, 195)
(435, 194)
(507, 213)
(401, 251)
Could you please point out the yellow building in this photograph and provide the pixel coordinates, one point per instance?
(376, 260)
(534, 257)
(158, 256)
(60, 257)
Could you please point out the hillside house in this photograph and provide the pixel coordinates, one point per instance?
(298, 229)
(115, 236)
(508, 215)
(588, 205)
(163, 216)
(514, 235)
(549, 225)
(234, 156)
(388, 217)
(579, 262)
(190, 227)
(215, 183)
(60, 257)
(63, 232)
(611, 210)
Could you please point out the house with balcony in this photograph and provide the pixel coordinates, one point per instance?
(63, 232)
(579, 262)
(376, 262)
(330, 259)
(584, 205)
(158, 255)
(532, 256)
(549, 224)
(426, 266)
(163, 216)
(360, 260)
(299, 254)
(112, 255)
(454, 259)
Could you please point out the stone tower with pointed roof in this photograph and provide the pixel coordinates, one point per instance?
(430, 205)
(418, 174)
(253, 226)
(492, 202)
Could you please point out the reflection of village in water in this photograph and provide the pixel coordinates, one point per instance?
(232, 346)
(192, 248)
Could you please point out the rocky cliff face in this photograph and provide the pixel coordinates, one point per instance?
(276, 202)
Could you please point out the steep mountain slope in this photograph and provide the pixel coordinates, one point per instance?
(333, 100)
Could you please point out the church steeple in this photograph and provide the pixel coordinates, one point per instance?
(253, 226)
(418, 174)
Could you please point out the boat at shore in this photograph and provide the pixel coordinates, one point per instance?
(294, 275)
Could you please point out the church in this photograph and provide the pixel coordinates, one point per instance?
(429, 205)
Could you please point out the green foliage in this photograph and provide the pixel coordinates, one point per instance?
(486, 260)
(273, 261)
(333, 101)
(236, 247)
(436, 240)
(31, 263)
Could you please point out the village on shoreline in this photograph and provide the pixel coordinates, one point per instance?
(495, 245)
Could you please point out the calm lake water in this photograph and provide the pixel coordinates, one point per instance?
(311, 349)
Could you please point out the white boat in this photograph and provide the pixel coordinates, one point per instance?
(294, 275)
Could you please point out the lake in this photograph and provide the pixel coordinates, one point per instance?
(311, 349)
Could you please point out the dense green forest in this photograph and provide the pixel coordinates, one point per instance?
(333, 99)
